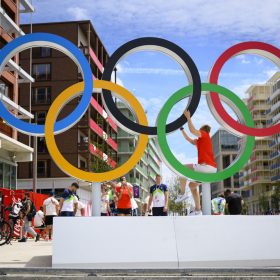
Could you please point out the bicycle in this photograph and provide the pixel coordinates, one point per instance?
(6, 232)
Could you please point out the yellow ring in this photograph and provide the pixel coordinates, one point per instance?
(73, 171)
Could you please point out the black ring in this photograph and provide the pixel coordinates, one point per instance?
(166, 47)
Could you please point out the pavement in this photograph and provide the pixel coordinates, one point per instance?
(32, 260)
(27, 254)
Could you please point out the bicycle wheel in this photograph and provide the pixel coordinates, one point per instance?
(5, 233)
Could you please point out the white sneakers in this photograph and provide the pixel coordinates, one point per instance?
(195, 213)
(181, 197)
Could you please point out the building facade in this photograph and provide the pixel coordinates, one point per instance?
(12, 150)
(144, 173)
(89, 145)
(258, 175)
(226, 149)
(274, 118)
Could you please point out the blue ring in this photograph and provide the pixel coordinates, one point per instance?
(74, 116)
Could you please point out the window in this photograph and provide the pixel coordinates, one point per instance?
(82, 164)
(41, 145)
(40, 117)
(41, 72)
(4, 88)
(41, 95)
(42, 168)
(45, 52)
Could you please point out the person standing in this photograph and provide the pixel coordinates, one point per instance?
(69, 202)
(124, 191)
(51, 210)
(159, 198)
(218, 205)
(206, 162)
(28, 211)
(80, 208)
(105, 202)
(234, 202)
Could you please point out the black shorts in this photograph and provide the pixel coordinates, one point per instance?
(124, 211)
(49, 220)
(158, 211)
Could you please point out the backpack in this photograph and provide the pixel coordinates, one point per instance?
(32, 211)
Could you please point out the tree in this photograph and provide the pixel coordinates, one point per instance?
(264, 203)
(174, 190)
(275, 198)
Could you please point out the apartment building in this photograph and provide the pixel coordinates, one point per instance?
(226, 149)
(89, 145)
(256, 177)
(12, 150)
(274, 117)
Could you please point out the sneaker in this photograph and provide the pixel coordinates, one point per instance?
(196, 213)
(181, 197)
(23, 239)
(46, 238)
(37, 237)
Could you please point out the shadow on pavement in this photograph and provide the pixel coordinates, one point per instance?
(40, 261)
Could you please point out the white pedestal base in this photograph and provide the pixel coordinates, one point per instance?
(166, 242)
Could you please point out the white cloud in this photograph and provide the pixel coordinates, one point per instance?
(78, 13)
(145, 70)
(243, 59)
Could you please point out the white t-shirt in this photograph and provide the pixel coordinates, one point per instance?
(39, 219)
(69, 200)
(79, 208)
(51, 204)
(104, 203)
(133, 204)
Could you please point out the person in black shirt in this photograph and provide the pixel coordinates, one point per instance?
(234, 202)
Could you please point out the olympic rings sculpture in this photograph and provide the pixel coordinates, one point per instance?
(245, 126)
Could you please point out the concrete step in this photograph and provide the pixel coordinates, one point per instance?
(199, 274)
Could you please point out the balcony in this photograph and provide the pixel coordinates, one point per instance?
(96, 60)
(27, 7)
(25, 77)
(275, 94)
(95, 151)
(94, 126)
(275, 178)
(15, 108)
(274, 154)
(275, 106)
(102, 112)
(8, 24)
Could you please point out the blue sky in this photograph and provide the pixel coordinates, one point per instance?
(204, 29)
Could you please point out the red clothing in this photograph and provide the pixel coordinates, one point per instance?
(205, 149)
(124, 202)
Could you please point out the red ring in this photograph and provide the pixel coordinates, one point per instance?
(214, 75)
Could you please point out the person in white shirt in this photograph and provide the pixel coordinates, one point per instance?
(80, 208)
(39, 222)
(39, 218)
(51, 209)
(69, 202)
(105, 205)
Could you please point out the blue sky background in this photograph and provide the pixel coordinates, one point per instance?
(204, 29)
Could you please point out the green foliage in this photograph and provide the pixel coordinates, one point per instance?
(275, 198)
(174, 190)
(264, 203)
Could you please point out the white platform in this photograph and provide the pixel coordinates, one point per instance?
(166, 242)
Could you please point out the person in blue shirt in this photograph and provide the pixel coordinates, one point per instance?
(159, 198)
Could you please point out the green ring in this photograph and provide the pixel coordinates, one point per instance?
(170, 159)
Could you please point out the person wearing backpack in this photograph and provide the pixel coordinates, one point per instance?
(28, 211)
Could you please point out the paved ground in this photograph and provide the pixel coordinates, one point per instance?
(28, 254)
(32, 260)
